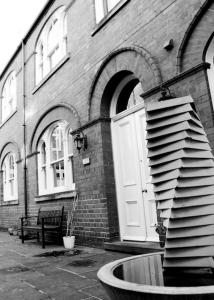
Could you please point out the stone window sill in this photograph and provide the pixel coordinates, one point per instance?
(107, 17)
(51, 73)
(55, 196)
(10, 202)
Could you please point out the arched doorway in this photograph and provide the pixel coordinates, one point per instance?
(135, 196)
(118, 75)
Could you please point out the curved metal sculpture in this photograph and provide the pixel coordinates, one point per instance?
(182, 169)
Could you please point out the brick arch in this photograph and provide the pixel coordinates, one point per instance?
(10, 146)
(135, 60)
(191, 50)
(56, 113)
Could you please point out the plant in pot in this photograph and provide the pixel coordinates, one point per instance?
(69, 239)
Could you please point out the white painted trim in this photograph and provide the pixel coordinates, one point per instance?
(134, 238)
(113, 136)
(54, 196)
(128, 112)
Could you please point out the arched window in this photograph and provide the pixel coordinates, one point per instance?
(127, 95)
(51, 45)
(9, 170)
(9, 96)
(55, 172)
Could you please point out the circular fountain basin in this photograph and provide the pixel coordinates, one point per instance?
(142, 277)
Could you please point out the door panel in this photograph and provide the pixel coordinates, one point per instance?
(146, 179)
(137, 209)
(132, 221)
(128, 169)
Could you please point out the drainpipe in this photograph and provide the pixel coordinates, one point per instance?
(24, 129)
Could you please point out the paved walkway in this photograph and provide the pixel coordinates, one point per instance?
(29, 272)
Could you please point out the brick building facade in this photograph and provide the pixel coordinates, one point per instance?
(89, 82)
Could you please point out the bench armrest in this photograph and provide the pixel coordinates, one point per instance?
(29, 217)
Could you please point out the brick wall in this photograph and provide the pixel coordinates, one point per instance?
(140, 23)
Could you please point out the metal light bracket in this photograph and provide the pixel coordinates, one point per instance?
(80, 140)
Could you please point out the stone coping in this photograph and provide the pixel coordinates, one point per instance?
(105, 275)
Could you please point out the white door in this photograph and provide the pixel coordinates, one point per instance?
(136, 203)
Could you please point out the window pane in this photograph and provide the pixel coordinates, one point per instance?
(12, 88)
(54, 40)
(65, 25)
(99, 10)
(41, 61)
(112, 3)
(9, 96)
(55, 57)
(70, 142)
(57, 147)
(11, 167)
(53, 36)
(43, 153)
(44, 178)
(53, 155)
(65, 35)
(59, 174)
(5, 108)
(135, 96)
(11, 188)
(4, 173)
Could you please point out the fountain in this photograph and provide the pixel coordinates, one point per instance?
(182, 170)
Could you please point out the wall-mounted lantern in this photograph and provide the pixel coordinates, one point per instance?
(80, 140)
(165, 93)
(169, 45)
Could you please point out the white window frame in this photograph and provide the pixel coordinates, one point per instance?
(209, 57)
(103, 7)
(9, 178)
(40, 60)
(47, 186)
(9, 97)
(60, 47)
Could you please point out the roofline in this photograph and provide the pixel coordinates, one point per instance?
(28, 34)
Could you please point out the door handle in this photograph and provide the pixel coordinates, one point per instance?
(144, 191)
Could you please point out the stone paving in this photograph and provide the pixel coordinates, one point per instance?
(29, 272)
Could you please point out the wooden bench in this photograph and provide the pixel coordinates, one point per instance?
(47, 220)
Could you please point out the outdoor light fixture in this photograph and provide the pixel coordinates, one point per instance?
(169, 45)
(165, 93)
(80, 140)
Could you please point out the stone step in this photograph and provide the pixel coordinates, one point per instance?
(133, 247)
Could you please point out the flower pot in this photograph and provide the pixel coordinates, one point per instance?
(69, 241)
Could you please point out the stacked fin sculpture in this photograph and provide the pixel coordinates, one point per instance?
(182, 169)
